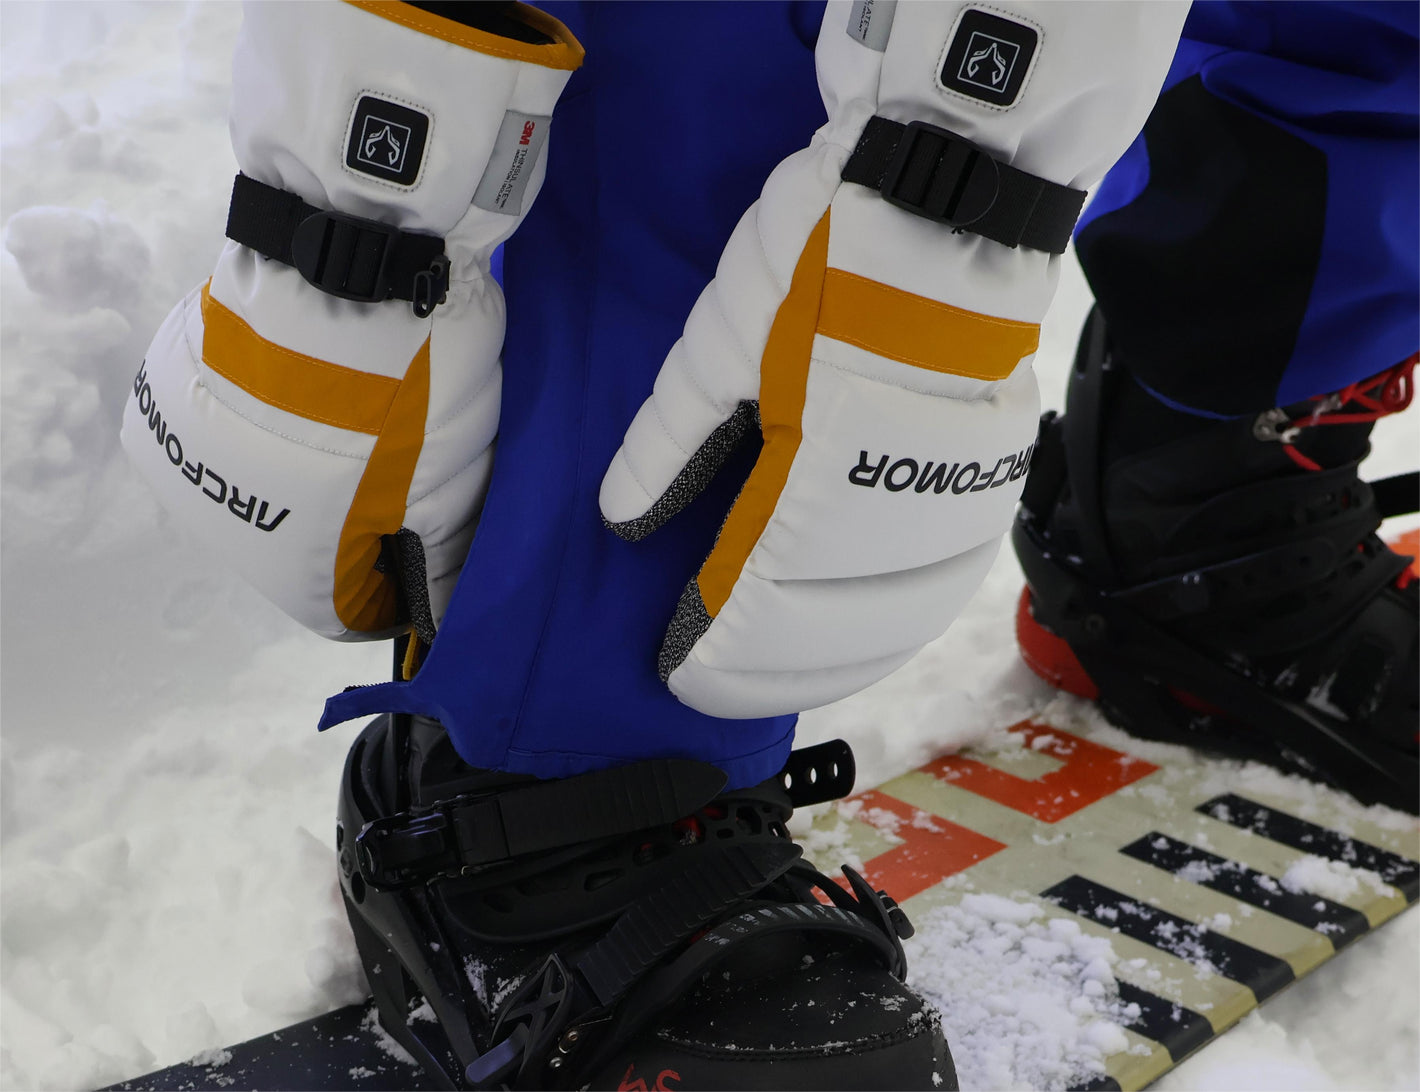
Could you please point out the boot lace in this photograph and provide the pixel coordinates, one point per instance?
(1365, 400)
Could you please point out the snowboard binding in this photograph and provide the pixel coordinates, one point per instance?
(1225, 588)
(636, 924)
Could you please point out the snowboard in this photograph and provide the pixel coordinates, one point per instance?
(1189, 869)
(1215, 884)
(343, 1049)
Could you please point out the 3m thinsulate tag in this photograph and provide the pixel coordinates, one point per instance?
(515, 152)
(871, 22)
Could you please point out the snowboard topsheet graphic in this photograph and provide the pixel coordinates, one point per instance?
(1207, 888)
(1207, 891)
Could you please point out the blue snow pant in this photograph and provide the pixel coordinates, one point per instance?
(1259, 243)
(546, 660)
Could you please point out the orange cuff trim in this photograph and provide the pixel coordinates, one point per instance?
(922, 332)
(304, 385)
(783, 387)
(563, 52)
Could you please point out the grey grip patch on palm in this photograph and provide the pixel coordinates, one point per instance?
(694, 476)
(688, 626)
(402, 557)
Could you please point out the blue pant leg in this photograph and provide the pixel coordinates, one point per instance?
(546, 660)
(1259, 243)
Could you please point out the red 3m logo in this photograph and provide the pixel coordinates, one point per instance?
(526, 138)
(933, 848)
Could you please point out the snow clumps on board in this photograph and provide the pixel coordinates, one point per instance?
(1335, 880)
(1027, 1000)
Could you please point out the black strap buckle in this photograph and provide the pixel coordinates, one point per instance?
(477, 830)
(938, 175)
(462, 834)
(345, 256)
(934, 173)
(342, 255)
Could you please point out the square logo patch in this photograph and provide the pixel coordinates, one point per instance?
(387, 140)
(989, 57)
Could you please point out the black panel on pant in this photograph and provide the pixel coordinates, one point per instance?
(1205, 277)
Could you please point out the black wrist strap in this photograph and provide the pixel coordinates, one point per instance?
(345, 256)
(936, 174)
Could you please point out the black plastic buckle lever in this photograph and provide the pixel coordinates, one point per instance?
(938, 175)
(354, 258)
(345, 256)
(398, 851)
(462, 835)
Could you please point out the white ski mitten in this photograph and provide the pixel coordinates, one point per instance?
(323, 410)
(875, 314)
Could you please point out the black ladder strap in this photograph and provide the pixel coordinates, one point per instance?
(663, 985)
(556, 1006)
(533, 1018)
(943, 177)
(651, 929)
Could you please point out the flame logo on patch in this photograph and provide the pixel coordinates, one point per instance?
(371, 151)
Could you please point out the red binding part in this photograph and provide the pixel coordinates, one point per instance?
(1050, 656)
(1380, 396)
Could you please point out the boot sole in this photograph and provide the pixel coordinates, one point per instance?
(1150, 709)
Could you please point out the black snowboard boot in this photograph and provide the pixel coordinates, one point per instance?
(635, 928)
(1219, 583)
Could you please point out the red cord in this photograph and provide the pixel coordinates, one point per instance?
(1300, 459)
(1380, 395)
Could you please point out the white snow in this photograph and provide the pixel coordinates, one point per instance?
(213, 1059)
(1027, 1000)
(166, 808)
(1330, 879)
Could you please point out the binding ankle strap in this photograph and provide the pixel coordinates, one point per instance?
(475, 831)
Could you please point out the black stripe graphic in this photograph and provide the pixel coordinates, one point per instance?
(1178, 1030)
(1400, 872)
(1103, 1083)
(1339, 924)
(1260, 972)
